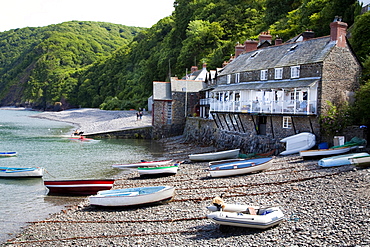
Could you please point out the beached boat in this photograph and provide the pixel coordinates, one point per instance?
(143, 164)
(300, 142)
(20, 172)
(78, 187)
(8, 154)
(132, 196)
(158, 171)
(361, 161)
(238, 167)
(228, 154)
(339, 160)
(253, 217)
(316, 153)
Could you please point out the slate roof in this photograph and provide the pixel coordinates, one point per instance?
(276, 84)
(287, 54)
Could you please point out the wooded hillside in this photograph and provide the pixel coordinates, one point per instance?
(99, 65)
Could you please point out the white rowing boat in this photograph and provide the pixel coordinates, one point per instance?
(158, 171)
(300, 142)
(132, 196)
(143, 164)
(227, 154)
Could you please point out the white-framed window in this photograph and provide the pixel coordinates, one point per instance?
(228, 79)
(287, 122)
(237, 77)
(278, 73)
(294, 72)
(264, 75)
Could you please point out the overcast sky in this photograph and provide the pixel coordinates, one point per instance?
(38, 13)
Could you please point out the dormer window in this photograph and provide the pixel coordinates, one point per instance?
(292, 48)
(228, 79)
(264, 75)
(254, 54)
(294, 72)
(279, 73)
(237, 77)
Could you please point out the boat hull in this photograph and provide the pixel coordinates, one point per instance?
(143, 164)
(300, 142)
(271, 217)
(157, 171)
(31, 172)
(339, 160)
(8, 154)
(228, 154)
(78, 187)
(234, 168)
(132, 196)
(317, 153)
(363, 162)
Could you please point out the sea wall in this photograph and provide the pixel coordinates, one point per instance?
(133, 133)
(204, 132)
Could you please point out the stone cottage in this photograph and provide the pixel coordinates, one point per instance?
(268, 92)
(175, 100)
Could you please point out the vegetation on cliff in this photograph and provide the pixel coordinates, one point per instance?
(111, 66)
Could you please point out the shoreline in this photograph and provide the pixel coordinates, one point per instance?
(322, 206)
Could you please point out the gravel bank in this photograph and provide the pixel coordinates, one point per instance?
(323, 207)
(91, 120)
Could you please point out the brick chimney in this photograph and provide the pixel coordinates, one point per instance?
(338, 31)
(250, 45)
(265, 36)
(308, 34)
(278, 41)
(238, 49)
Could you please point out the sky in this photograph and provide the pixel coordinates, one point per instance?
(39, 13)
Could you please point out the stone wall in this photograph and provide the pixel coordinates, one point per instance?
(138, 133)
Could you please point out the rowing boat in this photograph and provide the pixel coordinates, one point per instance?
(227, 154)
(339, 160)
(143, 164)
(78, 187)
(8, 154)
(20, 172)
(158, 171)
(132, 196)
(238, 166)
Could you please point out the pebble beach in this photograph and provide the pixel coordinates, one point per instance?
(322, 206)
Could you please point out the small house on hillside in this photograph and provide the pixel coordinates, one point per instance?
(274, 91)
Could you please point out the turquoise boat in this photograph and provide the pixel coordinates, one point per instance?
(339, 160)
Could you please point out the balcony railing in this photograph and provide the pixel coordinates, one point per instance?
(307, 107)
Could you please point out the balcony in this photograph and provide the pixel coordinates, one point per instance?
(303, 107)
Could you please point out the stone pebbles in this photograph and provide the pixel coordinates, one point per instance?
(323, 207)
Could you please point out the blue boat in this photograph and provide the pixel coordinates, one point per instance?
(20, 172)
(234, 167)
(7, 154)
(339, 160)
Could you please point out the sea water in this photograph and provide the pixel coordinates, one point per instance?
(45, 143)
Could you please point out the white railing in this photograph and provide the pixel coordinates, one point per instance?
(274, 107)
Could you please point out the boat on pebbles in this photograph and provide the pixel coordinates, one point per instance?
(227, 154)
(235, 167)
(143, 164)
(132, 196)
(259, 217)
(81, 187)
(158, 171)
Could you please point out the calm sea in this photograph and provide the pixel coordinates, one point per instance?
(44, 143)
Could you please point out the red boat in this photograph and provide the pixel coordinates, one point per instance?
(78, 187)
